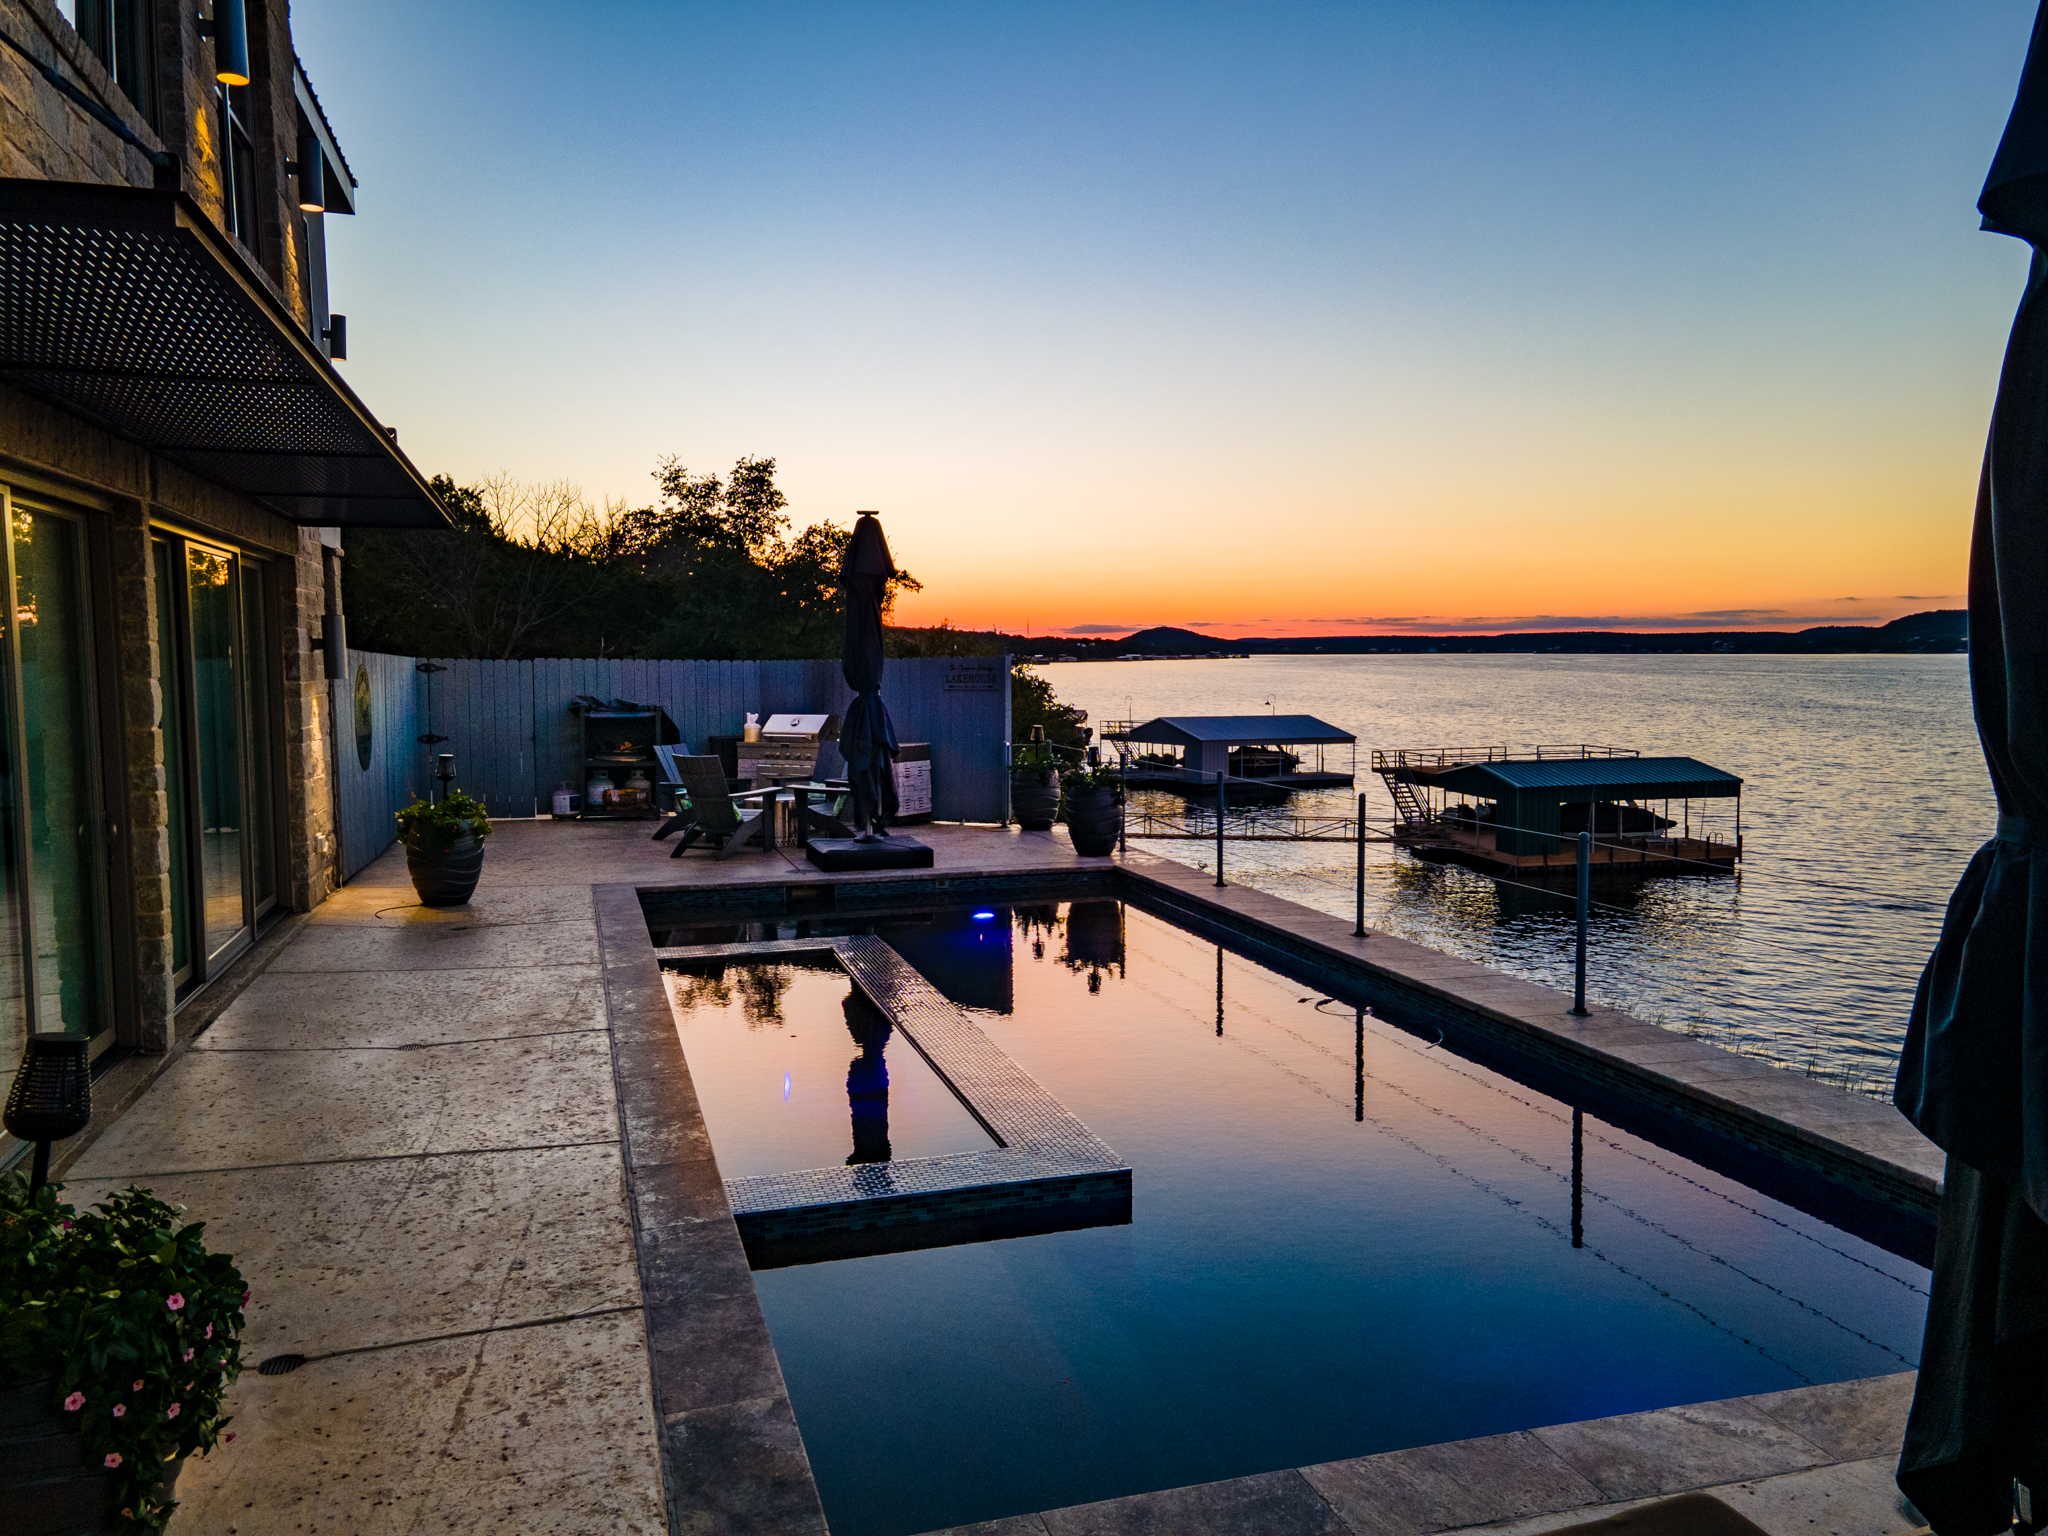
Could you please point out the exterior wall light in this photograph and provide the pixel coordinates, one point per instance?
(311, 169)
(229, 29)
(51, 1097)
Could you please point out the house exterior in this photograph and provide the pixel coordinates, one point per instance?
(179, 463)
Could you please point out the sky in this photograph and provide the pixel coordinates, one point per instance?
(1253, 318)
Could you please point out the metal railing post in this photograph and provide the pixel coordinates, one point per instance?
(1219, 826)
(1123, 795)
(1358, 932)
(1585, 902)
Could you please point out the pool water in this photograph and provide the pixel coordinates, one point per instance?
(1344, 1239)
(795, 1069)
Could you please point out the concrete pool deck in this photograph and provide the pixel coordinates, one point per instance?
(460, 1184)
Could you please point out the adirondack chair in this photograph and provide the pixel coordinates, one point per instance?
(671, 780)
(712, 814)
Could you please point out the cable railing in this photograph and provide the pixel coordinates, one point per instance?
(1698, 1007)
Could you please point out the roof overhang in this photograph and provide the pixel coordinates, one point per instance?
(1596, 779)
(127, 307)
(1235, 731)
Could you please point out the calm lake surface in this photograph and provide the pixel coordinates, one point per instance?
(1865, 794)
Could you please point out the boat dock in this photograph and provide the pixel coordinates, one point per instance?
(1184, 754)
(1518, 815)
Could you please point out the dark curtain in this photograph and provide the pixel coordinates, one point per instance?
(1974, 1074)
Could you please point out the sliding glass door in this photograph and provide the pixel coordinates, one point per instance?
(212, 633)
(54, 952)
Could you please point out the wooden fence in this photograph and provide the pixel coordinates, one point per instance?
(514, 740)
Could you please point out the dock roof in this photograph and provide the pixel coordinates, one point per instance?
(1619, 778)
(1236, 730)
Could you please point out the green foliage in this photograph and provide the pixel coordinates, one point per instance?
(134, 1323)
(1088, 777)
(1032, 702)
(711, 570)
(439, 823)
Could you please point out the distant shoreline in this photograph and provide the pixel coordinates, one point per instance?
(1940, 631)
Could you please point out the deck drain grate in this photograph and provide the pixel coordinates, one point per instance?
(280, 1365)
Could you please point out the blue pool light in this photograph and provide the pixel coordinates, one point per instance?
(984, 917)
(785, 1087)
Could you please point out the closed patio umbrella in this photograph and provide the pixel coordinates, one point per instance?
(867, 739)
(1974, 1074)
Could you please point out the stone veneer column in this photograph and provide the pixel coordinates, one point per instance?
(309, 807)
(148, 810)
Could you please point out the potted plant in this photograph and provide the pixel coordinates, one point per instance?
(1093, 808)
(119, 1335)
(1035, 783)
(444, 846)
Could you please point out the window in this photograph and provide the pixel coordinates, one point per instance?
(213, 633)
(122, 34)
(54, 955)
(240, 164)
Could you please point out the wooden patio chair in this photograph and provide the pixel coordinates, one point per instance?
(679, 803)
(712, 813)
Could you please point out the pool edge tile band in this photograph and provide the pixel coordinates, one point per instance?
(1048, 1171)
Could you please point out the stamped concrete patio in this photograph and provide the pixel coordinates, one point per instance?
(406, 1124)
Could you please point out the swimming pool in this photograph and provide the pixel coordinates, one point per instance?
(1342, 1238)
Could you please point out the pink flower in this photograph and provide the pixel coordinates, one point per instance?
(136, 1388)
(113, 1458)
(120, 1410)
(172, 1411)
(245, 1298)
(74, 1402)
(189, 1354)
(175, 1302)
(209, 1332)
(231, 1434)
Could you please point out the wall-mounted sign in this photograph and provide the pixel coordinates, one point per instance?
(978, 674)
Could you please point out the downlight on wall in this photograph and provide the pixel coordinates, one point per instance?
(229, 29)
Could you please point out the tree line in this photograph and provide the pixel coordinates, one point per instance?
(712, 570)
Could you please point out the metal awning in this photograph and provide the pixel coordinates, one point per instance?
(1236, 730)
(127, 307)
(1620, 778)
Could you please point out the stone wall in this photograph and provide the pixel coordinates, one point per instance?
(45, 136)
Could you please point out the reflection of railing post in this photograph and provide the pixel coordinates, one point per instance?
(1578, 1178)
(1585, 901)
(1219, 828)
(1358, 932)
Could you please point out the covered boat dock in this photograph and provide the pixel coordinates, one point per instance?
(1256, 754)
(1520, 814)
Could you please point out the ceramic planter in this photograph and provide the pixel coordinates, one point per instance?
(48, 1485)
(1035, 797)
(444, 877)
(1093, 820)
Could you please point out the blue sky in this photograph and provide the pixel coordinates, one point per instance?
(1263, 316)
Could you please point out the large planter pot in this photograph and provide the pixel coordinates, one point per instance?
(1093, 819)
(48, 1484)
(1035, 798)
(445, 877)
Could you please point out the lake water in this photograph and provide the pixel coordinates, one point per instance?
(1865, 794)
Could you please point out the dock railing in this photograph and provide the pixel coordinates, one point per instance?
(1392, 759)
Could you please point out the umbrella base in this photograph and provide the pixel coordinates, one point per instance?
(840, 853)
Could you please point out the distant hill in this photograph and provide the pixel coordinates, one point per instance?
(1944, 629)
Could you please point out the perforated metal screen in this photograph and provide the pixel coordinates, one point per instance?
(122, 306)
